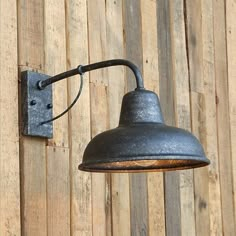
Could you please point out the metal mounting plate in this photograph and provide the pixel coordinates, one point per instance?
(36, 106)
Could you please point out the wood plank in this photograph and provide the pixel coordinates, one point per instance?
(30, 35)
(133, 49)
(156, 208)
(172, 194)
(182, 106)
(203, 116)
(231, 62)
(101, 192)
(58, 185)
(195, 30)
(9, 135)
(223, 125)
(195, 47)
(77, 53)
(58, 215)
(115, 49)
(97, 48)
(133, 38)
(100, 187)
(33, 187)
(208, 205)
(55, 62)
(33, 167)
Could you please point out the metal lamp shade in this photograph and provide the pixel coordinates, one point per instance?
(142, 142)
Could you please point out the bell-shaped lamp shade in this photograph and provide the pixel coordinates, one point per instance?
(142, 142)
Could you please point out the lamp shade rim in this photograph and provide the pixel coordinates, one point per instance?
(164, 163)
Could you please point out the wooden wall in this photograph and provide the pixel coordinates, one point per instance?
(186, 50)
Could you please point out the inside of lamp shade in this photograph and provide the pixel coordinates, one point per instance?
(143, 165)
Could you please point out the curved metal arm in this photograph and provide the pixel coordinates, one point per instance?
(69, 107)
(82, 69)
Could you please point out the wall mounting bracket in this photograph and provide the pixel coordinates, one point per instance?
(36, 105)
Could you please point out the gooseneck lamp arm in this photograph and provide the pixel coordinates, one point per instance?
(82, 69)
(42, 84)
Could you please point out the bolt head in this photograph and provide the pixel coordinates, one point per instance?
(49, 106)
(33, 102)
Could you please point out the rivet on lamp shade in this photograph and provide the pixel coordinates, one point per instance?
(142, 142)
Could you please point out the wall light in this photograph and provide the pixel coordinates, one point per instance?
(141, 142)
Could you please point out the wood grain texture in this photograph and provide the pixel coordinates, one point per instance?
(156, 210)
(231, 69)
(133, 38)
(101, 192)
(172, 193)
(186, 51)
(195, 31)
(100, 187)
(33, 187)
(58, 168)
(194, 53)
(79, 118)
(55, 63)
(133, 51)
(32, 150)
(9, 135)
(30, 33)
(58, 189)
(223, 125)
(182, 107)
(115, 49)
(207, 189)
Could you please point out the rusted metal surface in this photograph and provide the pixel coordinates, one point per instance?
(36, 106)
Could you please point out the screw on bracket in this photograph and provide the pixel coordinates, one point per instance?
(33, 102)
(49, 106)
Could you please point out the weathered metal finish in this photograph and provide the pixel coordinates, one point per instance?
(140, 106)
(36, 106)
(142, 142)
(82, 69)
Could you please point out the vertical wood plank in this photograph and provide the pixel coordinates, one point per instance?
(33, 167)
(133, 38)
(194, 40)
(100, 189)
(101, 202)
(9, 135)
(58, 217)
(133, 49)
(195, 48)
(30, 34)
(204, 123)
(231, 62)
(182, 106)
(201, 59)
(58, 181)
(223, 126)
(115, 49)
(33, 187)
(172, 194)
(198, 108)
(55, 62)
(213, 205)
(79, 118)
(156, 209)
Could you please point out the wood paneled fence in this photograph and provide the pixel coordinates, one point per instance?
(186, 50)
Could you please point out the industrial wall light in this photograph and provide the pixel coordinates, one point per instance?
(141, 142)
